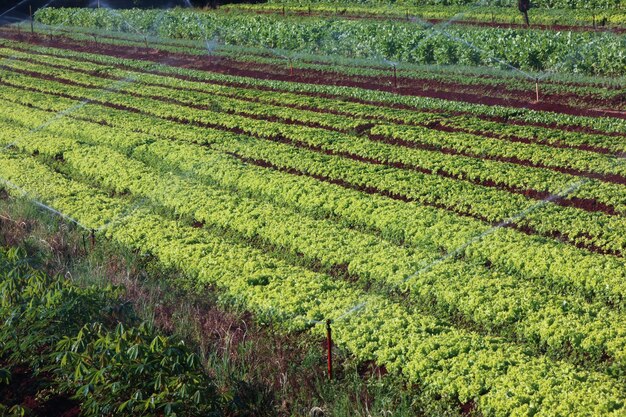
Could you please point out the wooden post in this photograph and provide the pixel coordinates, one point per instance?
(32, 23)
(145, 39)
(537, 88)
(93, 239)
(329, 347)
(395, 77)
(283, 10)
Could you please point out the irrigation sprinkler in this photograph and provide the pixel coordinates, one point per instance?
(32, 23)
(92, 236)
(290, 67)
(145, 39)
(329, 348)
(395, 76)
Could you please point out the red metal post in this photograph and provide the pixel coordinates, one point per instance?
(329, 346)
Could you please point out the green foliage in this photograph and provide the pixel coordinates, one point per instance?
(551, 4)
(133, 370)
(91, 344)
(408, 42)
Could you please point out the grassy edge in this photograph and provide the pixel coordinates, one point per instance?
(274, 373)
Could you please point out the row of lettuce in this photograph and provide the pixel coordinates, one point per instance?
(460, 365)
(594, 53)
(198, 185)
(312, 112)
(591, 17)
(572, 91)
(542, 4)
(513, 122)
(233, 100)
(413, 174)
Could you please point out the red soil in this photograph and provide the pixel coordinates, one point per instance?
(409, 87)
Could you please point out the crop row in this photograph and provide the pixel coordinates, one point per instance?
(467, 144)
(509, 115)
(455, 288)
(570, 93)
(581, 6)
(559, 271)
(357, 112)
(484, 202)
(404, 41)
(458, 365)
(465, 13)
(559, 264)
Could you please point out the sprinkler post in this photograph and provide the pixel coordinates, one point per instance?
(537, 88)
(395, 76)
(290, 67)
(329, 347)
(92, 237)
(145, 39)
(32, 23)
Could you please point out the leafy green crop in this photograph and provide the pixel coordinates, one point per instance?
(576, 52)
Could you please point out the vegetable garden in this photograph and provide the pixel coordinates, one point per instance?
(458, 228)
